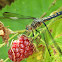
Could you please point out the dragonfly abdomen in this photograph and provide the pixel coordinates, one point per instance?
(53, 16)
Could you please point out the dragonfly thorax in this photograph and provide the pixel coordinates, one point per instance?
(38, 20)
(35, 24)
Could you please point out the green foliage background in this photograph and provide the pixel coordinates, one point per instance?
(33, 8)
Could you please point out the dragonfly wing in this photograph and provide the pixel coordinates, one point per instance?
(16, 16)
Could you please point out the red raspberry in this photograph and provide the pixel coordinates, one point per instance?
(18, 54)
(20, 49)
(10, 52)
(22, 46)
(27, 48)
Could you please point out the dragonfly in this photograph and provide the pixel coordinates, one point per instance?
(35, 23)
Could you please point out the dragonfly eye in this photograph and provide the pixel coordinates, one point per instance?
(27, 28)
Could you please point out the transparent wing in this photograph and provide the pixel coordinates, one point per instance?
(16, 16)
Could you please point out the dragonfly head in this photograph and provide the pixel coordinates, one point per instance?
(28, 27)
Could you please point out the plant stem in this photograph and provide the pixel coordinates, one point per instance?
(1, 45)
(6, 59)
(20, 31)
(12, 36)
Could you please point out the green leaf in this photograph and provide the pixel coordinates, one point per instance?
(35, 57)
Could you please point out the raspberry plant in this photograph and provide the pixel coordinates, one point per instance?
(41, 53)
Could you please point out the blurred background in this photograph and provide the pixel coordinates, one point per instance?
(3, 3)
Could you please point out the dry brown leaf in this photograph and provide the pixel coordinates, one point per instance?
(5, 32)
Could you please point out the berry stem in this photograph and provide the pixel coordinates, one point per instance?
(20, 31)
(3, 44)
(12, 36)
(6, 60)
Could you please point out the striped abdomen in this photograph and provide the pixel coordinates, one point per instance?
(52, 16)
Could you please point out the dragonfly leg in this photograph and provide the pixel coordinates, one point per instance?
(37, 30)
(46, 43)
(33, 33)
(56, 45)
